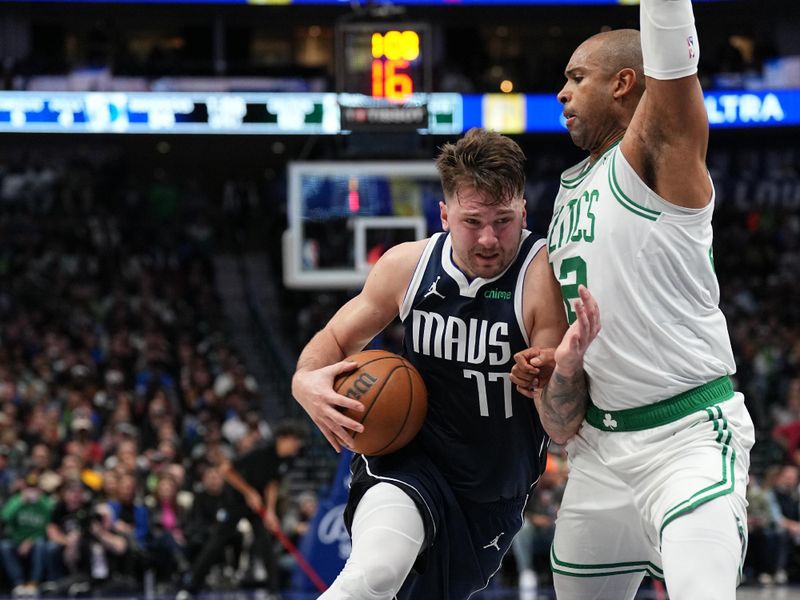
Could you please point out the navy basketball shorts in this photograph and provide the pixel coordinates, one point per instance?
(464, 541)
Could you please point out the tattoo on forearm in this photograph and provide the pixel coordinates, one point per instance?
(564, 400)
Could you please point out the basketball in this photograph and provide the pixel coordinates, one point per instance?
(394, 396)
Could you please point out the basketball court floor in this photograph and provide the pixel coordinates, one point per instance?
(744, 593)
(776, 593)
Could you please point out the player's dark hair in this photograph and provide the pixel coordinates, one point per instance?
(491, 163)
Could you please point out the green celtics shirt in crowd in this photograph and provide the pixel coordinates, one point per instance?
(25, 519)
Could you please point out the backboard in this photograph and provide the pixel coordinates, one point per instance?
(344, 215)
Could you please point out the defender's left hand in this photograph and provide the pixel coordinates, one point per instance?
(570, 352)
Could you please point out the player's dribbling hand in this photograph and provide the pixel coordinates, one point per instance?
(314, 391)
(582, 332)
(532, 369)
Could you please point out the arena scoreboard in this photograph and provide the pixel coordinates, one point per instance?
(383, 74)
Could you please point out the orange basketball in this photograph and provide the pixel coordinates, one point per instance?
(394, 397)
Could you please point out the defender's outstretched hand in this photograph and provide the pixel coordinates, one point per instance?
(314, 391)
(570, 352)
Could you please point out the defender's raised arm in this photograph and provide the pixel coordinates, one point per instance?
(668, 136)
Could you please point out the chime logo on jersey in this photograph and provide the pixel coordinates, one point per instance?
(497, 295)
(452, 338)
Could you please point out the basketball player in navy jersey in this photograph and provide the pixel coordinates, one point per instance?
(450, 503)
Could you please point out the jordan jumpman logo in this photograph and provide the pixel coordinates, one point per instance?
(495, 542)
(433, 290)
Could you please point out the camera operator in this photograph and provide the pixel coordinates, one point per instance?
(109, 551)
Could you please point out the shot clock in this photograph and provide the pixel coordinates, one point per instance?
(383, 75)
(393, 53)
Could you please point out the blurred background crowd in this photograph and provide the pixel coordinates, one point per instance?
(147, 342)
(121, 393)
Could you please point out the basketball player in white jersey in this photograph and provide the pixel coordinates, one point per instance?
(659, 468)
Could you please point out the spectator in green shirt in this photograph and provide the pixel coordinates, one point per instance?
(25, 517)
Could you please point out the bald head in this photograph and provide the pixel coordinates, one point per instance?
(619, 49)
(605, 82)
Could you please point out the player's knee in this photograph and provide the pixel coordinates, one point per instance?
(380, 582)
(382, 579)
(349, 585)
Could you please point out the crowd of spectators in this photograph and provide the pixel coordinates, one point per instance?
(121, 400)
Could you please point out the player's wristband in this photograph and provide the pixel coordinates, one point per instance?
(669, 38)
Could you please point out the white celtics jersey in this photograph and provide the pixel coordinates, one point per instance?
(649, 264)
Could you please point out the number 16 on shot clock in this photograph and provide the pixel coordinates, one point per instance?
(392, 54)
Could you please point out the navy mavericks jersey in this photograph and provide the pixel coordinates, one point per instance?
(462, 336)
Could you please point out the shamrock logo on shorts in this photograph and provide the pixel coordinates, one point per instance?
(609, 421)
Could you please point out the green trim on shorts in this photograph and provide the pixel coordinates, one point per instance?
(663, 412)
(721, 488)
(744, 541)
(603, 569)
